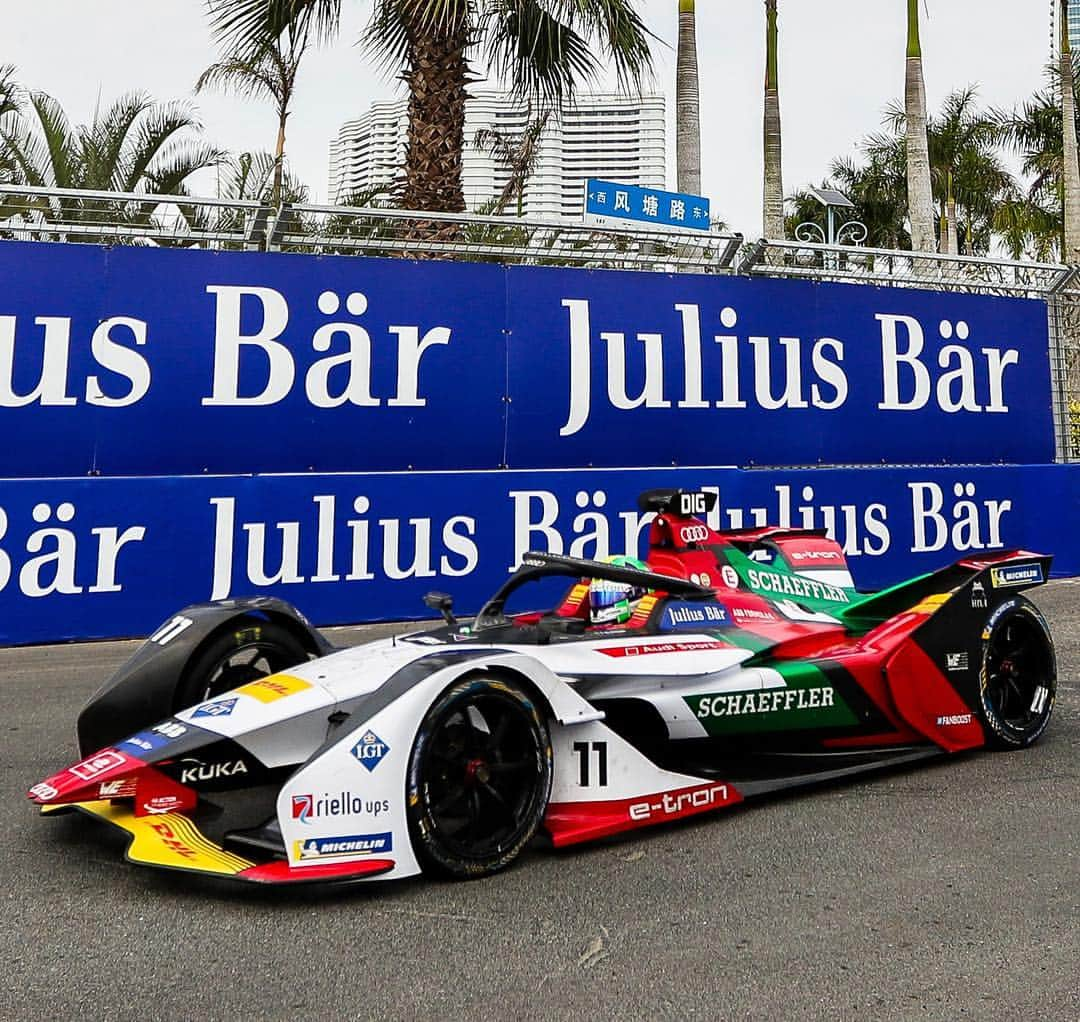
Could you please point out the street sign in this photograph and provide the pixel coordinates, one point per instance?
(608, 201)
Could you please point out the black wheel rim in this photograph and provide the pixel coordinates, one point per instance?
(245, 663)
(479, 772)
(1017, 673)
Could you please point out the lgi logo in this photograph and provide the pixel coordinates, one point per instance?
(370, 750)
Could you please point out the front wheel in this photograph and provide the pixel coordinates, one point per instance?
(479, 777)
(1018, 675)
(251, 650)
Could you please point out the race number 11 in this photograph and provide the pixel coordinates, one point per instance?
(585, 752)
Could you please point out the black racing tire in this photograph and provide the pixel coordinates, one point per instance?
(1017, 676)
(247, 650)
(479, 777)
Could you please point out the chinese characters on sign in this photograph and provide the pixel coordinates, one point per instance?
(608, 200)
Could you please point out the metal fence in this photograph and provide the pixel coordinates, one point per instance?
(1057, 285)
(110, 218)
(225, 225)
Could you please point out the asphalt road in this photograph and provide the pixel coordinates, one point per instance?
(945, 892)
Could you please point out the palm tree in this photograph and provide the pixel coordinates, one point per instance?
(970, 181)
(133, 146)
(773, 213)
(687, 104)
(269, 70)
(244, 178)
(255, 176)
(517, 153)
(878, 190)
(1034, 223)
(9, 90)
(10, 104)
(1070, 161)
(542, 48)
(136, 145)
(968, 176)
(920, 196)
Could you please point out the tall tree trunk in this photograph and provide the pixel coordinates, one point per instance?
(437, 77)
(1071, 253)
(952, 242)
(773, 211)
(920, 195)
(279, 160)
(687, 105)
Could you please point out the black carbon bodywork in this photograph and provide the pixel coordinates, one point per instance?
(143, 691)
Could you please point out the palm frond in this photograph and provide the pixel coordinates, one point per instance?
(246, 25)
(244, 76)
(11, 93)
(537, 55)
(63, 169)
(25, 154)
(103, 142)
(158, 126)
(176, 163)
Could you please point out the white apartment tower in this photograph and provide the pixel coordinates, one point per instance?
(617, 138)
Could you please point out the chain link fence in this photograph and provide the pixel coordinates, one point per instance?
(1064, 307)
(110, 218)
(1057, 285)
(32, 214)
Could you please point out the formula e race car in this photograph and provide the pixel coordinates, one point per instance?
(586, 698)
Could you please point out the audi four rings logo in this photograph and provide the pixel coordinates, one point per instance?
(694, 533)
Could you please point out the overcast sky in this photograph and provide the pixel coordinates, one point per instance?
(841, 62)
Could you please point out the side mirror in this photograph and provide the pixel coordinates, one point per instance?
(443, 603)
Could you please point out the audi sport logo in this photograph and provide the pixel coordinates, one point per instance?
(693, 533)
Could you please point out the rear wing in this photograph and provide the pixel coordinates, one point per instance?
(981, 577)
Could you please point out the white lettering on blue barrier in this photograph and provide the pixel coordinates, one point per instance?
(403, 550)
(776, 367)
(274, 382)
(53, 378)
(72, 564)
(58, 556)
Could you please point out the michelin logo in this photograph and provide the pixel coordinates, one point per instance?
(705, 615)
(1016, 575)
(346, 846)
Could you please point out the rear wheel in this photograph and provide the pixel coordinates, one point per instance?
(1018, 678)
(479, 777)
(253, 649)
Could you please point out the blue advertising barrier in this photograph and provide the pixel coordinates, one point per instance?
(103, 557)
(137, 362)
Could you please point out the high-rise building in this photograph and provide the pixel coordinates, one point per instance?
(1074, 26)
(617, 138)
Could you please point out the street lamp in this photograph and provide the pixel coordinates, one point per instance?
(852, 232)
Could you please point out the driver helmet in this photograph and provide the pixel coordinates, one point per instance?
(611, 602)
